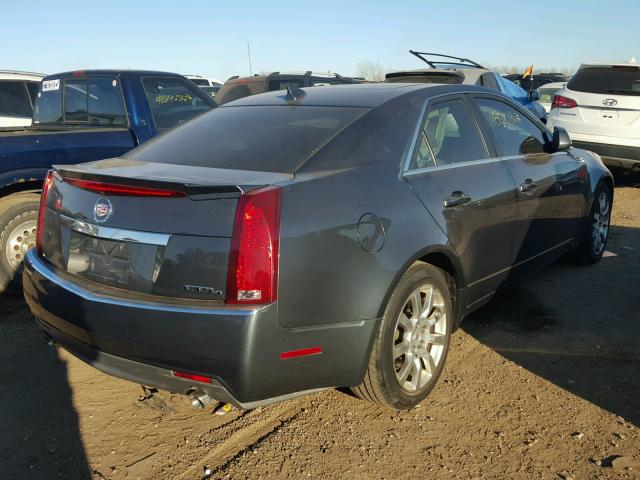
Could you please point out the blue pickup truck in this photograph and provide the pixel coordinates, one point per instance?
(79, 117)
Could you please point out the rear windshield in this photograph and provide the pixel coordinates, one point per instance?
(622, 80)
(259, 138)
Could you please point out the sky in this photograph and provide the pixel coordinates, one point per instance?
(210, 38)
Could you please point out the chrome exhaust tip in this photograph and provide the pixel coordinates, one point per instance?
(200, 399)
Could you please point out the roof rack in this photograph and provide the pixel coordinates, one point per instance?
(462, 62)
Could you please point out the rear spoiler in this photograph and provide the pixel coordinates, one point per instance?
(190, 190)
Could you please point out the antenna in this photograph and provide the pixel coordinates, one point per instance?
(290, 94)
(249, 54)
(294, 94)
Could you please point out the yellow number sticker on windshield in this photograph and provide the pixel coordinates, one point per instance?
(178, 98)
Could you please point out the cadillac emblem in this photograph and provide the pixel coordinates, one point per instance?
(102, 210)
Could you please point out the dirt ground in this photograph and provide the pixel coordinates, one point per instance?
(544, 382)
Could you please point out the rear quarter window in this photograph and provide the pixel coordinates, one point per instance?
(48, 106)
(259, 138)
(616, 80)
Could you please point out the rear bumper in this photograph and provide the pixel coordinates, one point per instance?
(238, 347)
(613, 155)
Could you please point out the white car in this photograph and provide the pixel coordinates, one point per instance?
(600, 108)
(547, 92)
(18, 92)
(204, 82)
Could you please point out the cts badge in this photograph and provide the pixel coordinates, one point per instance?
(102, 210)
(202, 289)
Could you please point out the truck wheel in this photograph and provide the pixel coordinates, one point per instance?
(410, 349)
(596, 229)
(18, 220)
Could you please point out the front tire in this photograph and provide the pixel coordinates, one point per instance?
(596, 229)
(410, 349)
(18, 221)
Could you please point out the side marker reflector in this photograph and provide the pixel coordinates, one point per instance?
(301, 353)
(189, 376)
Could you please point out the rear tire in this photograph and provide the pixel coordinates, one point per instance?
(596, 228)
(18, 221)
(411, 346)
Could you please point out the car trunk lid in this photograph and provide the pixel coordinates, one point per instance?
(149, 228)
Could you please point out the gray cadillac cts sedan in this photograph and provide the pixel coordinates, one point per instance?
(300, 240)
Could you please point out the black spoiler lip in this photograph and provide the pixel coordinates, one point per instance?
(194, 181)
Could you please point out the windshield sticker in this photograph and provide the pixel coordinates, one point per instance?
(502, 119)
(179, 98)
(49, 85)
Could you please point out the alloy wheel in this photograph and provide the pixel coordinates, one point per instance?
(600, 225)
(419, 338)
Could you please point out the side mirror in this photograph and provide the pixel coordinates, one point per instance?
(561, 139)
(534, 95)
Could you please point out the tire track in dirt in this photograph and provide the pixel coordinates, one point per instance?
(242, 436)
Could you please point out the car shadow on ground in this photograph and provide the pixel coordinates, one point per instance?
(576, 326)
(40, 436)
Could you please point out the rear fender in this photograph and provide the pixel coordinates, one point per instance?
(454, 269)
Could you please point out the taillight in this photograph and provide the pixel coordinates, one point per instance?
(105, 188)
(46, 188)
(563, 102)
(253, 261)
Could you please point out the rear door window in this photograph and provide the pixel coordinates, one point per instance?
(616, 80)
(173, 100)
(14, 99)
(452, 135)
(513, 133)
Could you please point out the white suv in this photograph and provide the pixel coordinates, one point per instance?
(18, 92)
(600, 108)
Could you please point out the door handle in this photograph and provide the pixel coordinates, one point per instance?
(528, 186)
(456, 198)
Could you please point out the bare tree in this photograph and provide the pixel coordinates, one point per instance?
(371, 71)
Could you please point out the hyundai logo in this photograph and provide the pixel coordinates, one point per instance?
(102, 210)
(609, 102)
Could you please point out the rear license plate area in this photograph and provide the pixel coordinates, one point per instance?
(121, 264)
(610, 114)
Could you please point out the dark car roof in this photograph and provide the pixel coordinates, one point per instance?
(83, 73)
(368, 95)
